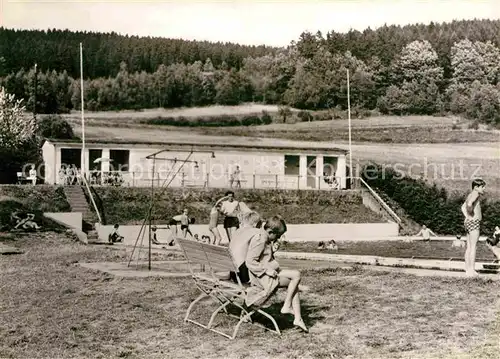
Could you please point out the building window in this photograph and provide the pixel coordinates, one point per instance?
(292, 165)
(93, 156)
(119, 160)
(71, 157)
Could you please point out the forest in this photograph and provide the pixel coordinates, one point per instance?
(414, 69)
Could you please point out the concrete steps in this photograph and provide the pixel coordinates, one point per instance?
(76, 199)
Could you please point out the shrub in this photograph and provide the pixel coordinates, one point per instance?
(213, 121)
(322, 116)
(266, 119)
(284, 112)
(474, 125)
(251, 120)
(305, 116)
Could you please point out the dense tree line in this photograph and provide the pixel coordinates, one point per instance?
(415, 69)
(103, 52)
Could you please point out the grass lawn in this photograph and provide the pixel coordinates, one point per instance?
(396, 249)
(51, 307)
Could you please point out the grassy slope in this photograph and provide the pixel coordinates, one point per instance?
(41, 198)
(54, 308)
(126, 205)
(129, 205)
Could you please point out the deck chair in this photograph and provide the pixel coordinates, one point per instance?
(215, 259)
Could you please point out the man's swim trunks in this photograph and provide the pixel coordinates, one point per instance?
(471, 224)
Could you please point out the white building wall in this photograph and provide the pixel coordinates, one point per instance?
(341, 170)
(257, 169)
(49, 161)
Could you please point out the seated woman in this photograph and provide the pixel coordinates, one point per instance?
(266, 275)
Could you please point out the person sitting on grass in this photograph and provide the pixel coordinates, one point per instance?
(114, 236)
(332, 245)
(154, 238)
(458, 242)
(266, 275)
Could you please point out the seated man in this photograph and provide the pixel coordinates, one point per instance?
(239, 245)
(266, 275)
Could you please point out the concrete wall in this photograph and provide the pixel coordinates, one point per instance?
(372, 203)
(68, 219)
(296, 232)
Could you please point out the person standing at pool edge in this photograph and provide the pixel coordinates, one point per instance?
(471, 209)
(230, 208)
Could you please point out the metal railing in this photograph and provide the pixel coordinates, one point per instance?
(214, 180)
(84, 180)
(380, 200)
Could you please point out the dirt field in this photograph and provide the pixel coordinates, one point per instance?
(51, 307)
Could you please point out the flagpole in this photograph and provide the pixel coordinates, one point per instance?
(83, 117)
(349, 118)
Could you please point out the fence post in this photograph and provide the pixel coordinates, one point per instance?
(208, 177)
(253, 185)
(276, 181)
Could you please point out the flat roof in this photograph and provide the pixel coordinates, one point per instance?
(212, 143)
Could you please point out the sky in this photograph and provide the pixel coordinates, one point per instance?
(274, 23)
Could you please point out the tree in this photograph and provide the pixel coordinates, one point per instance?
(418, 77)
(15, 127)
(18, 142)
(475, 62)
(55, 127)
(3, 68)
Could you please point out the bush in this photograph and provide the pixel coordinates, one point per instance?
(54, 126)
(251, 120)
(426, 204)
(474, 125)
(213, 121)
(305, 116)
(322, 116)
(266, 118)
